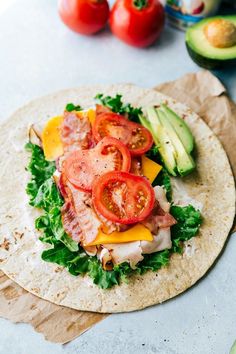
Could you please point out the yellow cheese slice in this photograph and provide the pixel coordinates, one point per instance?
(91, 115)
(135, 233)
(52, 145)
(150, 168)
(51, 139)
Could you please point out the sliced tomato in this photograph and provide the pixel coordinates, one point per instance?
(123, 197)
(136, 137)
(84, 166)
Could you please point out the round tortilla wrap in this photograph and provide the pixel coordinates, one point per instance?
(212, 185)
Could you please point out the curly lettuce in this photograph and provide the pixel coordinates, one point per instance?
(117, 106)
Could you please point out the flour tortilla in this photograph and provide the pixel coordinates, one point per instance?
(212, 185)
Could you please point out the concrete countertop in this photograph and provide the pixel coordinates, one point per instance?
(38, 55)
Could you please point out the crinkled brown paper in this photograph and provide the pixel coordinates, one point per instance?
(202, 92)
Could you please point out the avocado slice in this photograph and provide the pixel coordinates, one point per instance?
(233, 349)
(180, 127)
(203, 52)
(161, 140)
(185, 163)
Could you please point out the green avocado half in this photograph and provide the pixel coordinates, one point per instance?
(202, 52)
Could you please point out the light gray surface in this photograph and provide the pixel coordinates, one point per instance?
(39, 55)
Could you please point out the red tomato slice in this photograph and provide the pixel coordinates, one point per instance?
(136, 137)
(122, 197)
(84, 166)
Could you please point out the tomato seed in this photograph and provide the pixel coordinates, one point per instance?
(142, 198)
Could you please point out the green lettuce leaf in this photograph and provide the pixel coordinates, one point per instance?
(40, 170)
(44, 195)
(80, 263)
(77, 262)
(117, 106)
(47, 196)
(50, 222)
(188, 222)
(154, 261)
(71, 107)
(104, 279)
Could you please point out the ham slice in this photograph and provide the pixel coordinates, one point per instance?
(90, 250)
(130, 252)
(104, 256)
(160, 195)
(160, 242)
(75, 132)
(35, 134)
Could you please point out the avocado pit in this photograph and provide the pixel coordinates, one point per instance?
(220, 33)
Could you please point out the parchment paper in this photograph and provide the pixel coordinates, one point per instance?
(58, 324)
(202, 92)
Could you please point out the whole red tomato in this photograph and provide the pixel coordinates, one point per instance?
(137, 22)
(84, 16)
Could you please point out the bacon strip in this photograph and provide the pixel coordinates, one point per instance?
(70, 222)
(87, 217)
(107, 226)
(75, 132)
(158, 219)
(78, 218)
(100, 109)
(160, 216)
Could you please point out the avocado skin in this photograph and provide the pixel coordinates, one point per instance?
(208, 63)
